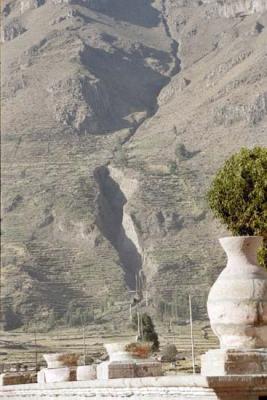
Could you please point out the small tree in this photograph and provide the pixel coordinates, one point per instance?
(172, 167)
(181, 152)
(148, 332)
(238, 195)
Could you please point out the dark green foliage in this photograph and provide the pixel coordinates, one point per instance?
(238, 195)
(148, 333)
(12, 320)
(172, 167)
(181, 152)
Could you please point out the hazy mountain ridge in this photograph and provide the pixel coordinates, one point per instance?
(134, 86)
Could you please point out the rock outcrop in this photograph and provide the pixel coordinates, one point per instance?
(237, 8)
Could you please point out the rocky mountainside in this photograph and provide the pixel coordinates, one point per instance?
(116, 114)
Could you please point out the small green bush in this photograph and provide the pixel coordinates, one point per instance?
(181, 152)
(238, 195)
(172, 167)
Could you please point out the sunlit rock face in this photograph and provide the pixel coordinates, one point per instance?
(234, 8)
(242, 7)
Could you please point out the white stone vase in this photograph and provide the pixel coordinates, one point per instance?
(237, 302)
(117, 352)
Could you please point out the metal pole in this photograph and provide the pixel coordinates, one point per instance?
(141, 326)
(138, 325)
(131, 316)
(35, 346)
(84, 348)
(146, 298)
(192, 337)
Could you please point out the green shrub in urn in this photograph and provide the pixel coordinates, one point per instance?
(238, 195)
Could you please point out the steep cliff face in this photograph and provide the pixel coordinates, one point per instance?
(115, 116)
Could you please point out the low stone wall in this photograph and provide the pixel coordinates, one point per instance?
(179, 387)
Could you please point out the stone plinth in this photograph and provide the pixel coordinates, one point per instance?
(130, 369)
(115, 369)
(16, 378)
(86, 372)
(147, 368)
(53, 375)
(223, 362)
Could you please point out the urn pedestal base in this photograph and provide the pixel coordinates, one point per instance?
(223, 362)
(130, 369)
(53, 375)
(86, 372)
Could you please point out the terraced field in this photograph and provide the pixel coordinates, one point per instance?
(19, 347)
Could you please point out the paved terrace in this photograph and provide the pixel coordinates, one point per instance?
(179, 387)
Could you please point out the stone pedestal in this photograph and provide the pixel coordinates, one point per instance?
(53, 375)
(115, 369)
(15, 379)
(130, 369)
(223, 362)
(86, 372)
(147, 368)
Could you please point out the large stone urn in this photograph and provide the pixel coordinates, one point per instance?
(237, 308)
(237, 302)
(58, 369)
(117, 352)
(55, 360)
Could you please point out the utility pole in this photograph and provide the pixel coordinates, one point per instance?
(84, 347)
(35, 346)
(191, 334)
(138, 325)
(130, 311)
(141, 327)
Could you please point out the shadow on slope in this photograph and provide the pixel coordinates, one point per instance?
(130, 81)
(136, 12)
(110, 203)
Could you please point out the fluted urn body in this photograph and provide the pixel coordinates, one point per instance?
(237, 302)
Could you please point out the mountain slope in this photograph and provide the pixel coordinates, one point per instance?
(115, 116)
